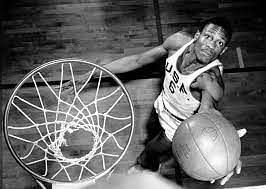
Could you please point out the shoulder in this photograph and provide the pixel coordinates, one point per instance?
(214, 74)
(177, 40)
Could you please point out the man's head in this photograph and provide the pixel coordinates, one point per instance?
(212, 38)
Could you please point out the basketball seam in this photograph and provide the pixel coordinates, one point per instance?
(227, 153)
(201, 151)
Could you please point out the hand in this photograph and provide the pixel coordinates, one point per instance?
(79, 82)
(241, 133)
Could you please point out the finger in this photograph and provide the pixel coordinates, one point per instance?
(241, 132)
(67, 85)
(225, 179)
(212, 181)
(62, 86)
(238, 167)
(194, 85)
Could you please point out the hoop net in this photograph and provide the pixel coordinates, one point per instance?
(72, 135)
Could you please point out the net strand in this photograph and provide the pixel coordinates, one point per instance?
(40, 99)
(95, 100)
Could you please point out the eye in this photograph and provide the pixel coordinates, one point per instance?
(221, 43)
(207, 36)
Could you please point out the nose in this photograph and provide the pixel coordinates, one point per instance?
(211, 44)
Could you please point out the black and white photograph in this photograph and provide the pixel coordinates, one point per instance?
(133, 94)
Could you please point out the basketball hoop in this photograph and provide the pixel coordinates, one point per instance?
(63, 137)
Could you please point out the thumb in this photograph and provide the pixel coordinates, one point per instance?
(238, 167)
(241, 132)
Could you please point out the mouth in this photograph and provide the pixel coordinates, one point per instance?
(207, 53)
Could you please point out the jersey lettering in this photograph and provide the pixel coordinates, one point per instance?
(182, 89)
(167, 68)
(173, 84)
(175, 77)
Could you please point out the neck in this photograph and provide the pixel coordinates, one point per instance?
(189, 61)
(189, 56)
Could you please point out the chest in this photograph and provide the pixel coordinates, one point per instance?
(177, 70)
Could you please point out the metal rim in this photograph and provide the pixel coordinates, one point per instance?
(6, 113)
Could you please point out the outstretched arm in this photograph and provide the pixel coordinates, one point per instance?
(121, 65)
(129, 63)
(132, 62)
(136, 61)
(212, 87)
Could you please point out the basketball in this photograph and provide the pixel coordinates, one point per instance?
(207, 146)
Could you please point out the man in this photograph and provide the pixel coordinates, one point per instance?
(193, 82)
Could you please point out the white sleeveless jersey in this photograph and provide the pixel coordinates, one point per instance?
(176, 103)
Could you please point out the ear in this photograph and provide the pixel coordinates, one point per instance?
(223, 51)
(197, 34)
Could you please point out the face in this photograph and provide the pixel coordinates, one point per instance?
(210, 43)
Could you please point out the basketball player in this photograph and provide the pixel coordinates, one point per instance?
(193, 82)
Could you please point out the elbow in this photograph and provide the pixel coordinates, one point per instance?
(138, 60)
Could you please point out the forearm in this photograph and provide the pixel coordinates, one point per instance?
(132, 62)
(121, 65)
(207, 102)
(124, 64)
